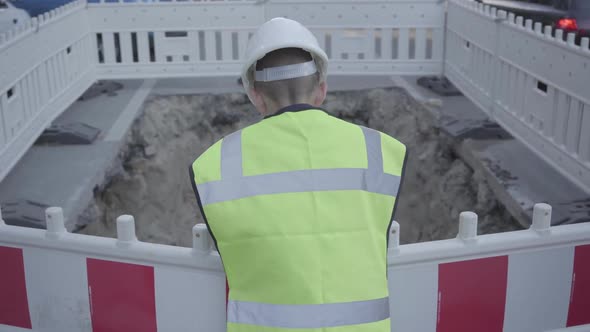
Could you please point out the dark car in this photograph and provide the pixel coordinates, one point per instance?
(567, 15)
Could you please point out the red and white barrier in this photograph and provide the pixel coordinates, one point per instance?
(533, 280)
(56, 281)
(532, 291)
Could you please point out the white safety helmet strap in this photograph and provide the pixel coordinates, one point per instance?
(286, 72)
(280, 33)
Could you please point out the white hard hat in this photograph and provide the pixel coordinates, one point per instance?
(280, 33)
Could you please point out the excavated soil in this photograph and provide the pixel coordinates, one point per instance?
(153, 184)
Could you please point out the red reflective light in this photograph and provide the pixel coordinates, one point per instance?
(567, 24)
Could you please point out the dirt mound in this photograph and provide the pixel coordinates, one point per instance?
(154, 184)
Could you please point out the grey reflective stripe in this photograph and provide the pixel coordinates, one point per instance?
(233, 185)
(374, 154)
(299, 181)
(231, 156)
(308, 316)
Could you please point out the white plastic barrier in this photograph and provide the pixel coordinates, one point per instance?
(46, 64)
(533, 280)
(57, 281)
(49, 61)
(535, 85)
(172, 39)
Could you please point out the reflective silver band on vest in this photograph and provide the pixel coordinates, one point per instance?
(234, 185)
(299, 181)
(308, 316)
(231, 156)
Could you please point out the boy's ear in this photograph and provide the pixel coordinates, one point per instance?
(258, 101)
(320, 95)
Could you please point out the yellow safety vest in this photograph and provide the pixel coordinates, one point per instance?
(299, 206)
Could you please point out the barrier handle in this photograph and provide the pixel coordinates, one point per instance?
(394, 234)
(54, 218)
(542, 218)
(201, 240)
(126, 229)
(467, 226)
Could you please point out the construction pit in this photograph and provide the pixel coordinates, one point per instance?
(152, 182)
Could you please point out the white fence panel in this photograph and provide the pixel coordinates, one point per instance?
(126, 47)
(208, 38)
(169, 39)
(397, 37)
(535, 85)
(45, 68)
(143, 49)
(108, 47)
